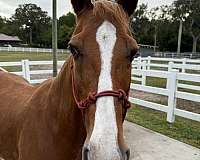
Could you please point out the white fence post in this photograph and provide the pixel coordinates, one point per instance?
(172, 88)
(184, 65)
(139, 63)
(26, 70)
(149, 63)
(144, 68)
(170, 69)
(170, 66)
(23, 69)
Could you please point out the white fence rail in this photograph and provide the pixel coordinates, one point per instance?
(24, 69)
(152, 63)
(173, 78)
(30, 50)
(175, 55)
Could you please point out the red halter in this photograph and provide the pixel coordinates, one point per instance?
(92, 97)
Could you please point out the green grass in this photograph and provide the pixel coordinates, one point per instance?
(189, 90)
(182, 129)
(156, 82)
(10, 56)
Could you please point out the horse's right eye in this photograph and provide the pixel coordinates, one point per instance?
(74, 50)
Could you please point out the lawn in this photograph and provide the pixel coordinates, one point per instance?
(10, 56)
(182, 129)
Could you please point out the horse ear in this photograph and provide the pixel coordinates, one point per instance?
(79, 5)
(128, 5)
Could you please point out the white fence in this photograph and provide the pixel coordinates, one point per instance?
(152, 63)
(175, 55)
(25, 71)
(171, 91)
(30, 50)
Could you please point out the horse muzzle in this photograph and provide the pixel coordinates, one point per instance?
(125, 155)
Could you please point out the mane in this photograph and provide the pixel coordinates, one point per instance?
(105, 8)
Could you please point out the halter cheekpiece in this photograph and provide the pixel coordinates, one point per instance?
(92, 97)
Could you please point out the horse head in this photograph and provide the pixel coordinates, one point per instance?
(103, 49)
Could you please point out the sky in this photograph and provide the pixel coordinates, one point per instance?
(7, 7)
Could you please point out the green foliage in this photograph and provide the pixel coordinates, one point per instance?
(30, 20)
(1, 23)
(7, 27)
(164, 23)
(66, 26)
(64, 35)
(68, 20)
(189, 11)
(143, 34)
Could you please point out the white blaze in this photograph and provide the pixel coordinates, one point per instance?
(104, 136)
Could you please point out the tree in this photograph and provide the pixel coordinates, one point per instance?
(160, 26)
(31, 23)
(1, 23)
(69, 20)
(66, 26)
(188, 11)
(194, 20)
(159, 20)
(141, 26)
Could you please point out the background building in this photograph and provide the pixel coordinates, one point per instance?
(9, 41)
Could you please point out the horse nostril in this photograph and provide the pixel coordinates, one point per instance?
(85, 153)
(127, 154)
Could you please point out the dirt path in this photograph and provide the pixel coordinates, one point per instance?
(181, 104)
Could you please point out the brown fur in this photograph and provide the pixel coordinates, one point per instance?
(38, 122)
(43, 122)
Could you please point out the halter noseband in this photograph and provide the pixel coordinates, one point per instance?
(92, 97)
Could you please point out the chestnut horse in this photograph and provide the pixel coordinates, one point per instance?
(78, 114)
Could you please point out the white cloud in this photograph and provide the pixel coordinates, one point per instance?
(6, 10)
(64, 6)
(156, 3)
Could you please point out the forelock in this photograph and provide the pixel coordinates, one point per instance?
(104, 9)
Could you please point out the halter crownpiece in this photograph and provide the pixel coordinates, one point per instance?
(92, 97)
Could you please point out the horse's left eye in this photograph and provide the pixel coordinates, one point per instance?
(74, 50)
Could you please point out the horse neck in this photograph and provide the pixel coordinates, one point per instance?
(63, 108)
